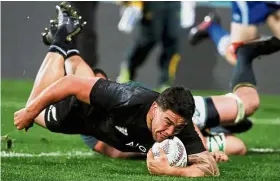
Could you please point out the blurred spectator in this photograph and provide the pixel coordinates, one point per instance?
(87, 40)
(159, 22)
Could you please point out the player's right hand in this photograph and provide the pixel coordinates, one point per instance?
(219, 156)
(23, 118)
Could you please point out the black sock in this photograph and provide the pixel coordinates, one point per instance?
(267, 45)
(243, 72)
(213, 117)
(60, 45)
(72, 48)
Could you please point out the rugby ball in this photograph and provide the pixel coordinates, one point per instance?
(174, 150)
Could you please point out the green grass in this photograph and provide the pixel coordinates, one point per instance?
(254, 166)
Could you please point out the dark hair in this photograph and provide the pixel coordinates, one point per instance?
(179, 100)
(99, 71)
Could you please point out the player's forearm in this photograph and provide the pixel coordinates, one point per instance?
(56, 92)
(185, 172)
(132, 155)
(202, 164)
(112, 152)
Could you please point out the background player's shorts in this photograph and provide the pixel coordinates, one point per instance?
(90, 141)
(252, 12)
(220, 129)
(66, 117)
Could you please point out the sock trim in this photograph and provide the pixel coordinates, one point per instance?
(73, 51)
(243, 84)
(59, 49)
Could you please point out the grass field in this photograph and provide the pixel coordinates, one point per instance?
(40, 155)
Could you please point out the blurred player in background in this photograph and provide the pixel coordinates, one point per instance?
(246, 16)
(158, 23)
(87, 41)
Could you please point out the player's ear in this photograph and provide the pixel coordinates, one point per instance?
(154, 107)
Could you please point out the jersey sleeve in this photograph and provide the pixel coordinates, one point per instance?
(191, 140)
(106, 94)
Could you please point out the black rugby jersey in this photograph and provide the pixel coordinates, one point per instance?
(118, 118)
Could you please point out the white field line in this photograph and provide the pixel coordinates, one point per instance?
(265, 150)
(50, 154)
(88, 154)
(264, 121)
(12, 104)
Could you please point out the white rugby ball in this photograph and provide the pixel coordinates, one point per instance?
(174, 150)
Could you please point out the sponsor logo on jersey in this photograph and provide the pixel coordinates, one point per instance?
(122, 130)
(52, 111)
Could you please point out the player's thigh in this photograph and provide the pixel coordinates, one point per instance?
(90, 141)
(273, 22)
(245, 17)
(241, 32)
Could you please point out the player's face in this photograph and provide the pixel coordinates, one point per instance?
(166, 124)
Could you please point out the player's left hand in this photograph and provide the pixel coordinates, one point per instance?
(220, 156)
(22, 119)
(158, 166)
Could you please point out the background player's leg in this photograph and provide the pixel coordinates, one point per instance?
(234, 146)
(170, 56)
(243, 83)
(211, 27)
(241, 32)
(148, 33)
(273, 22)
(227, 143)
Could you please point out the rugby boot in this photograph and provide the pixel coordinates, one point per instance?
(66, 17)
(48, 34)
(199, 32)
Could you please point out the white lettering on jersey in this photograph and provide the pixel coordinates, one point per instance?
(137, 145)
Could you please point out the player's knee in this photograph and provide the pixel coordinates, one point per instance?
(241, 148)
(251, 106)
(235, 146)
(250, 99)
